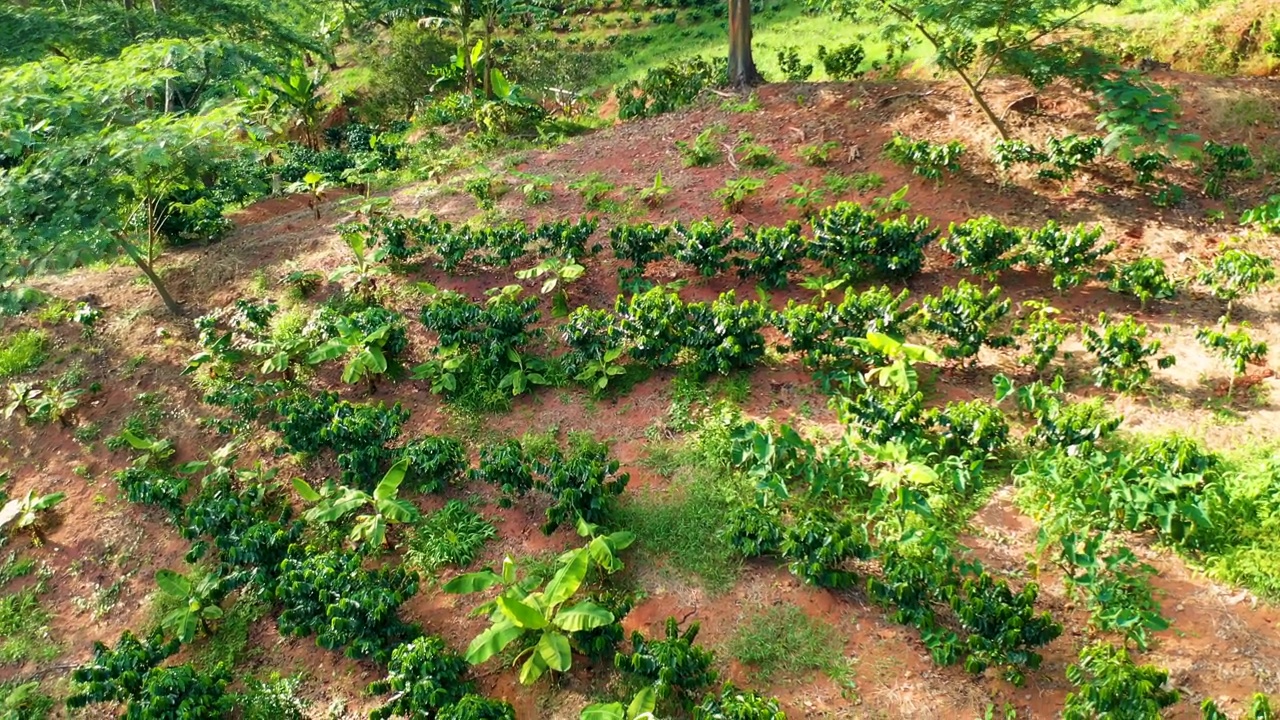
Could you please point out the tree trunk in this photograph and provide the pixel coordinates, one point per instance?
(742, 69)
(172, 305)
(982, 104)
(488, 63)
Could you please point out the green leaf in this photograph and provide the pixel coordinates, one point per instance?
(567, 579)
(307, 492)
(333, 349)
(390, 484)
(643, 702)
(532, 669)
(472, 582)
(583, 616)
(173, 584)
(520, 614)
(603, 711)
(491, 642)
(553, 648)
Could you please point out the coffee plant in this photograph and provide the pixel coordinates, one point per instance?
(1122, 350)
(656, 324)
(1068, 254)
(1259, 705)
(477, 707)
(1068, 154)
(1041, 334)
(1219, 163)
(1236, 347)
(676, 667)
(725, 335)
(819, 546)
(583, 485)
(1109, 684)
(119, 675)
(752, 154)
(330, 595)
(183, 692)
(972, 429)
(425, 676)
(736, 191)
(754, 531)
(818, 154)
(1235, 273)
(638, 245)
(506, 466)
(435, 462)
(1007, 153)
(669, 87)
(770, 254)
(735, 704)
(703, 244)
(848, 238)
(1113, 585)
(153, 486)
(826, 334)
(703, 150)
(967, 316)
(842, 63)
(926, 159)
(1144, 279)
(983, 245)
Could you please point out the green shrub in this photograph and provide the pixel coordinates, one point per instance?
(1068, 254)
(669, 87)
(1122, 351)
(967, 316)
(974, 429)
(791, 67)
(818, 154)
(22, 351)
(425, 676)
(704, 150)
(674, 665)
(452, 535)
(843, 62)
(1108, 684)
(1222, 161)
(983, 245)
(1144, 278)
(926, 159)
(435, 462)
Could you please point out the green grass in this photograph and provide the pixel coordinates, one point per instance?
(24, 624)
(783, 641)
(772, 30)
(682, 528)
(451, 536)
(229, 644)
(22, 352)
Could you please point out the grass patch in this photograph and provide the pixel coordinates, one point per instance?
(452, 535)
(24, 624)
(229, 644)
(784, 641)
(22, 352)
(682, 527)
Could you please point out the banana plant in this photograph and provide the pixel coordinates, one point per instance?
(300, 92)
(385, 508)
(597, 372)
(900, 374)
(22, 396)
(24, 513)
(197, 603)
(541, 618)
(521, 377)
(364, 352)
(314, 186)
(640, 708)
(220, 463)
(364, 267)
(56, 405)
(280, 354)
(442, 371)
(154, 452)
(561, 272)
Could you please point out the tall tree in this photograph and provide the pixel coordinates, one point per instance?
(87, 159)
(742, 69)
(973, 38)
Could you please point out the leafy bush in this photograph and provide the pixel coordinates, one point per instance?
(1074, 425)
(331, 596)
(477, 707)
(583, 484)
(482, 348)
(848, 238)
(1144, 278)
(704, 244)
(153, 486)
(674, 666)
(1236, 273)
(771, 254)
(183, 692)
(704, 150)
(1146, 165)
(735, 704)
(425, 676)
(1068, 154)
(818, 546)
(639, 245)
(1222, 161)
(505, 465)
(843, 62)
(1265, 217)
(754, 531)
(733, 196)
(1042, 334)
(589, 334)
(753, 154)
(1237, 348)
(818, 154)
(975, 429)
(1068, 254)
(791, 67)
(1122, 352)
(1113, 585)
(725, 335)
(967, 316)
(120, 674)
(434, 463)
(983, 245)
(452, 535)
(655, 324)
(274, 699)
(357, 433)
(1109, 684)
(669, 87)
(1007, 153)
(926, 159)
